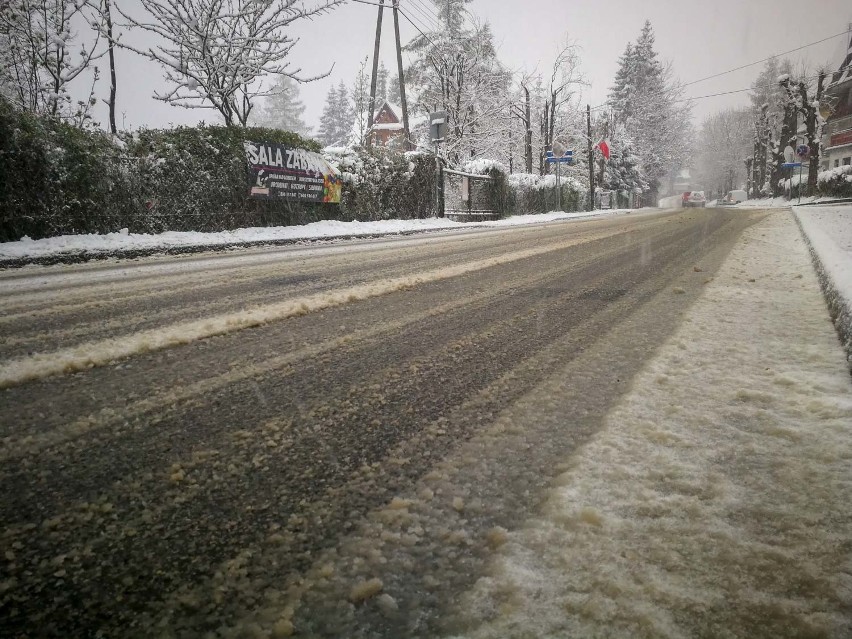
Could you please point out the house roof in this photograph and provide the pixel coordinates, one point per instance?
(844, 72)
(395, 110)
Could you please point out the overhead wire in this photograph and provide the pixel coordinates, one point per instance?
(740, 68)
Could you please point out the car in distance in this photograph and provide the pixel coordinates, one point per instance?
(695, 198)
(734, 197)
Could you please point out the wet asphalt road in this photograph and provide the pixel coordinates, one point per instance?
(341, 472)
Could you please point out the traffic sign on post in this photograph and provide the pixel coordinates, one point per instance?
(438, 126)
(566, 158)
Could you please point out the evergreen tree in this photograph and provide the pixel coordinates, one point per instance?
(283, 109)
(382, 85)
(647, 101)
(392, 94)
(623, 172)
(455, 69)
(336, 119)
(360, 105)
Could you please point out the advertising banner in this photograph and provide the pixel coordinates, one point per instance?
(296, 175)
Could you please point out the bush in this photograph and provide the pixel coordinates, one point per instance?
(380, 184)
(531, 193)
(836, 182)
(196, 179)
(56, 178)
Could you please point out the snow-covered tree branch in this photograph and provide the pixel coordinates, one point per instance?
(215, 53)
(41, 53)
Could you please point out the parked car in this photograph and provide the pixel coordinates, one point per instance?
(734, 197)
(695, 198)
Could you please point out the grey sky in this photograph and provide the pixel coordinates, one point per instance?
(699, 38)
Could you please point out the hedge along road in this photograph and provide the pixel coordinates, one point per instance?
(288, 458)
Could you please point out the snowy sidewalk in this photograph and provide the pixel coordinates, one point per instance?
(829, 234)
(715, 500)
(125, 244)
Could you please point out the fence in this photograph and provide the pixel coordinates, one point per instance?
(468, 196)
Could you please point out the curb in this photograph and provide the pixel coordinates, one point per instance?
(80, 257)
(838, 307)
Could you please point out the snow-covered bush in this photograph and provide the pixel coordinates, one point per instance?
(381, 184)
(836, 182)
(195, 179)
(532, 193)
(56, 178)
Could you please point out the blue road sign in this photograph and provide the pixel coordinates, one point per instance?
(566, 158)
(791, 165)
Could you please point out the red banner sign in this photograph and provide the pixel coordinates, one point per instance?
(839, 139)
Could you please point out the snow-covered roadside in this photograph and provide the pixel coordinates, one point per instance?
(124, 242)
(828, 231)
(715, 500)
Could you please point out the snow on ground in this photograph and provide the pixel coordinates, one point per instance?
(780, 202)
(124, 241)
(105, 351)
(715, 500)
(829, 233)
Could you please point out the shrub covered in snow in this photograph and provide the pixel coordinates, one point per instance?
(381, 184)
(836, 182)
(532, 193)
(195, 178)
(56, 178)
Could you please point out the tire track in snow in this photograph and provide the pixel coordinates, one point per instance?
(99, 353)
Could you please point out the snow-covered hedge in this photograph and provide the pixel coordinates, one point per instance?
(382, 184)
(836, 182)
(531, 193)
(194, 179)
(56, 178)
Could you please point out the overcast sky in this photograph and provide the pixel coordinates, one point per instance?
(699, 37)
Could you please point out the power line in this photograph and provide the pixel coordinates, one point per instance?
(745, 66)
(777, 55)
(431, 19)
(424, 21)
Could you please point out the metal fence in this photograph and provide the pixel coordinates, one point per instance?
(468, 196)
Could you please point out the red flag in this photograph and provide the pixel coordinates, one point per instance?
(603, 145)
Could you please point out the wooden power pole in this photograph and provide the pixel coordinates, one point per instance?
(401, 73)
(370, 115)
(591, 158)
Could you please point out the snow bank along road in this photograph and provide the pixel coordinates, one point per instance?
(347, 441)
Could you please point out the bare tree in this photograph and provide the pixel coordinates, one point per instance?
(564, 76)
(216, 52)
(40, 54)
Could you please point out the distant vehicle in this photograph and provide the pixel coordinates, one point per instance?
(694, 198)
(734, 197)
(685, 198)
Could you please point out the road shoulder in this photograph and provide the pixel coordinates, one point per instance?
(715, 499)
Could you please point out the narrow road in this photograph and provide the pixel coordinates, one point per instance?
(321, 440)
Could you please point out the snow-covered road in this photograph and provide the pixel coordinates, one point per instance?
(414, 437)
(715, 501)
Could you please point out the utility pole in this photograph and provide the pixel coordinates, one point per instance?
(401, 73)
(591, 158)
(375, 73)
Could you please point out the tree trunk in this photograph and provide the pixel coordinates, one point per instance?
(813, 136)
(112, 85)
(528, 135)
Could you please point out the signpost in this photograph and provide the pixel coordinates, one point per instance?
(437, 134)
(566, 158)
(803, 151)
(295, 175)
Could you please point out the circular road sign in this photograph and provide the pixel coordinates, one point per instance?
(803, 151)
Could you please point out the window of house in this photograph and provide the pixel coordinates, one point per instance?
(847, 161)
(836, 163)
